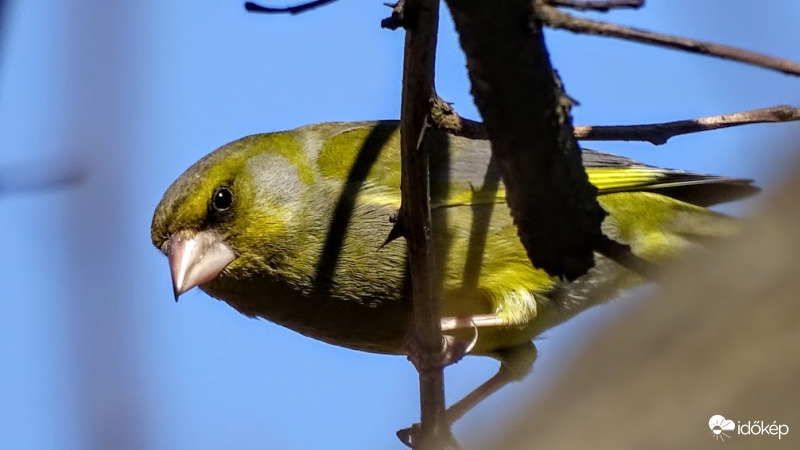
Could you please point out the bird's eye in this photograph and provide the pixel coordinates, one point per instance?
(222, 199)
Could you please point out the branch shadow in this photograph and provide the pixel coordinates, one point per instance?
(325, 269)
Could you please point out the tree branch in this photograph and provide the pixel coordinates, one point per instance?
(555, 18)
(445, 118)
(659, 133)
(297, 9)
(415, 215)
(527, 117)
(598, 5)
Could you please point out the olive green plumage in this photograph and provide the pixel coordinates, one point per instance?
(310, 210)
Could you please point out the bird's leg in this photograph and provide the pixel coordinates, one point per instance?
(515, 364)
(477, 321)
(453, 348)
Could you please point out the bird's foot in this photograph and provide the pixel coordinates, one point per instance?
(452, 350)
(409, 435)
(442, 440)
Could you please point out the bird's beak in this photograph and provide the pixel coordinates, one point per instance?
(195, 259)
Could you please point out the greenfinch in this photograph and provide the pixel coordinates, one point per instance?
(292, 227)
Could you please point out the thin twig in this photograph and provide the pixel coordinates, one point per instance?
(556, 18)
(659, 133)
(599, 5)
(444, 117)
(297, 9)
(415, 216)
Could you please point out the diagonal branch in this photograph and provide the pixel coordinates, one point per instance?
(555, 18)
(297, 9)
(527, 117)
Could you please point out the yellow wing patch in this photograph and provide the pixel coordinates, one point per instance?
(607, 180)
(617, 180)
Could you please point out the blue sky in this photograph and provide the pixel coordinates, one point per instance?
(94, 352)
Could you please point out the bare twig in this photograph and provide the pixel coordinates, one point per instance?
(659, 133)
(297, 9)
(415, 216)
(555, 18)
(444, 117)
(598, 5)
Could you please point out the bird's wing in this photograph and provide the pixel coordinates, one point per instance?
(462, 173)
(467, 181)
(611, 173)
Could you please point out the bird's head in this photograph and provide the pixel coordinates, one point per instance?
(228, 216)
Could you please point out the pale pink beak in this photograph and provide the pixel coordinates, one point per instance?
(195, 259)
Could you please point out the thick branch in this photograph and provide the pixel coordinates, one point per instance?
(297, 9)
(528, 121)
(555, 18)
(598, 5)
(415, 214)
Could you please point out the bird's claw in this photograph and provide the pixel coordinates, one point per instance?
(452, 350)
(408, 435)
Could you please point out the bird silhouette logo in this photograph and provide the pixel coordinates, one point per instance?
(719, 425)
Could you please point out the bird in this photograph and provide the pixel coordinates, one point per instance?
(292, 227)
